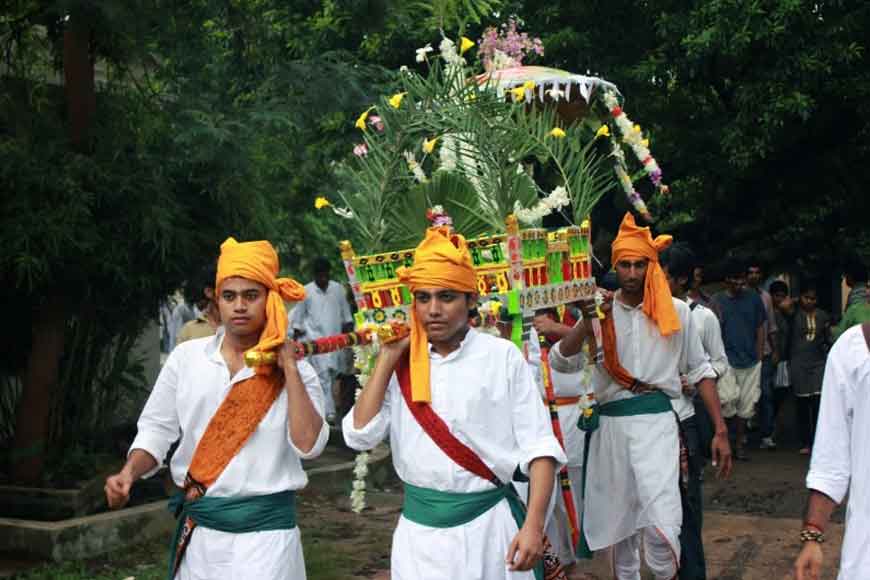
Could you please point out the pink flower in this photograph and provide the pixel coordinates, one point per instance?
(360, 150)
(376, 122)
(509, 42)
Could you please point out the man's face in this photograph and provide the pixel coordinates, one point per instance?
(736, 283)
(442, 312)
(808, 300)
(753, 276)
(631, 274)
(673, 283)
(777, 298)
(697, 277)
(242, 304)
(321, 279)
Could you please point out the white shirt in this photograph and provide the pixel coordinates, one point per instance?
(636, 458)
(485, 393)
(707, 326)
(190, 388)
(840, 459)
(646, 354)
(322, 313)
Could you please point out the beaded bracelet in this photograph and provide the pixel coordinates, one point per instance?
(808, 535)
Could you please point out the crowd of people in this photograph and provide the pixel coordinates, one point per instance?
(683, 378)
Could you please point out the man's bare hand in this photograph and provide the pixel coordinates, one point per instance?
(720, 451)
(118, 489)
(545, 325)
(525, 549)
(808, 565)
(288, 354)
(393, 351)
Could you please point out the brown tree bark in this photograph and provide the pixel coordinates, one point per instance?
(43, 364)
(40, 377)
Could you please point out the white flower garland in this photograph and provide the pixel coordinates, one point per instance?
(363, 357)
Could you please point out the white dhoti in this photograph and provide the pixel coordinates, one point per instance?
(633, 486)
(473, 551)
(212, 554)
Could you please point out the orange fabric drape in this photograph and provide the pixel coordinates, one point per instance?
(441, 260)
(258, 261)
(636, 242)
(248, 401)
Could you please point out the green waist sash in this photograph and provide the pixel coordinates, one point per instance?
(648, 404)
(237, 515)
(447, 509)
(655, 402)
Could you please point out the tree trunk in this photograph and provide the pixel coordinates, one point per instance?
(78, 74)
(40, 376)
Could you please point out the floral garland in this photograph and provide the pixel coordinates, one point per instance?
(363, 361)
(632, 135)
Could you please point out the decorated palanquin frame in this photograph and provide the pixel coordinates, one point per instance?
(524, 269)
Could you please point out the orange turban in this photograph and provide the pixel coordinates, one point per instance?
(440, 261)
(634, 242)
(258, 261)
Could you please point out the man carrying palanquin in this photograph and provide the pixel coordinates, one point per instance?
(463, 414)
(242, 430)
(634, 461)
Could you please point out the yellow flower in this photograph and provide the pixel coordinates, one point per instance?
(321, 202)
(645, 143)
(396, 100)
(464, 45)
(529, 85)
(587, 412)
(429, 144)
(558, 133)
(519, 93)
(361, 120)
(603, 131)
(637, 128)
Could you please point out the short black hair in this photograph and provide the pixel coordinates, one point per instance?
(733, 268)
(857, 271)
(778, 286)
(809, 286)
(680, 261)
(193, 289)
(320, 265)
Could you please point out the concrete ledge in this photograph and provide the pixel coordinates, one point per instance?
(86, 536)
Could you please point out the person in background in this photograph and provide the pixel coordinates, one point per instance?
(754, 278)
(858, 302)
(201, 294)
(783, 309)
(743, 333)
(808, 350)
(324, 312)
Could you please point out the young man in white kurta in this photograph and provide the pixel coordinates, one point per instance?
(486, 394)
(633, 470)
(191, 385)
(840, 460)
(324, 312)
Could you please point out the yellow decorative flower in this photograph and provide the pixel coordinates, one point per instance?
(361, 120)
(529, 85)
(587, 412)
(558, 133)
(603, 131)
(637, 128)
(519, 93)
(464, 45)
(321, 202)
(396, 100)
(645, 143)
(429, 144)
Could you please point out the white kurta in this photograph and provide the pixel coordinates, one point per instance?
(323, 313)
(558, 525)
(840, 461)
(633, 473)
(485, 393)
(710, 331)
(190, 388)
